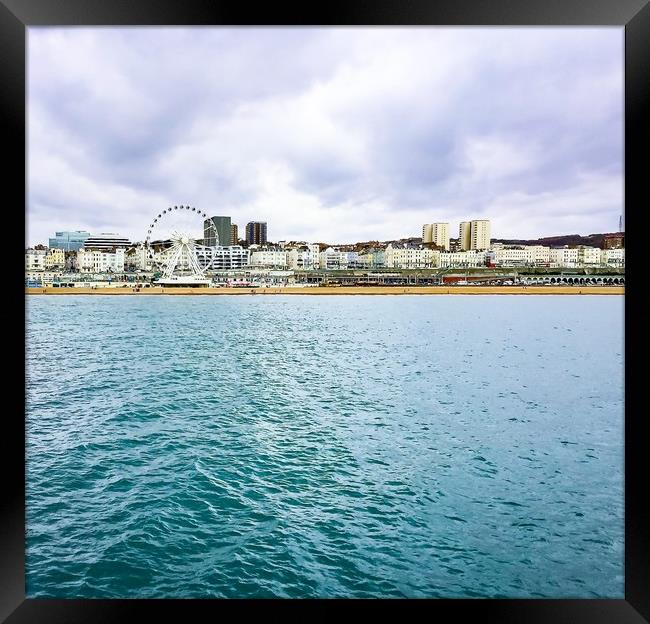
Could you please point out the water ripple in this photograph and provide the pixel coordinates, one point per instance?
(324, 446)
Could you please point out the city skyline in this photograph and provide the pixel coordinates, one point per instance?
(332, 134)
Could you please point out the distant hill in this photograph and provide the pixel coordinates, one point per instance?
(591, 240)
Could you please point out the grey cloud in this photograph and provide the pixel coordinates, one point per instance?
(422, 123)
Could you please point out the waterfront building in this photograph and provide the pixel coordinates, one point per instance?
(463, 259)
(475, 235)
(353, 260)
(256, 233)
(436, 233)
(314, 256)
(520, 255)
(106, 241)
(373, 258)
(136, 258)
(589, 256)
(411, 257)
(564, 257)
(539, 255)
(234, 234)
(269, 258)
(35, 259)
(55, 259)
(217, 232)
(68, 241)
(613, 258)
(332, 259)
(302, 256)
(298, 258)
(228, 258)
(100, 260)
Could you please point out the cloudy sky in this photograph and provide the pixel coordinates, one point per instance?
(328, 134)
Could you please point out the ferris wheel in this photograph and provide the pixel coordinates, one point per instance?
(176, 243)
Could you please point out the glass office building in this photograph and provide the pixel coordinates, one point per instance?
(68, 241)
(219, 234)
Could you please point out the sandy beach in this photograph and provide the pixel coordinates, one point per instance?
(342, 290)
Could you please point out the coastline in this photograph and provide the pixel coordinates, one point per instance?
(342, 290)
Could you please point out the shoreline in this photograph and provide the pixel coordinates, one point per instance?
(341, 290)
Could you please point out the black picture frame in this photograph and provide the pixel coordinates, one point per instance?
(17, 15)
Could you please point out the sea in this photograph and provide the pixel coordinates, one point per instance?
(324, 446)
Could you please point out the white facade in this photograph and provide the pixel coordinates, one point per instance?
(331, 259)
(314, 255)
(35, 259)
(99, 261)
(463, 259)
(231, 257)
(564, 257)
(408, 258)
(613, 257)
(267, 258)
(437, 233)
(305, 257)
(589, 256)
(137, 258)
(525, 255)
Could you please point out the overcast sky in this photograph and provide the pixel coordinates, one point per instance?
(328, 134)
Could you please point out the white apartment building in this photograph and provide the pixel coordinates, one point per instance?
(100, 261)
(462, 259)
(304, 257)
(231, 257)
(314, 251)
(269, 258)
(35, 259)
(137, 258)
(589, 256)
(475, 235)
(437, 233)
(331, 259)
(613, 257)
(55, 259)
(539, 255)
(564, 257)
(523, 255)
(411, 258)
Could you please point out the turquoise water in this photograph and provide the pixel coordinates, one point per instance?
(325, 446)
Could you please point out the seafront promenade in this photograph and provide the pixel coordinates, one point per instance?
(341, 290)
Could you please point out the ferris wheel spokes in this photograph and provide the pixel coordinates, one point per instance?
(184, 254)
